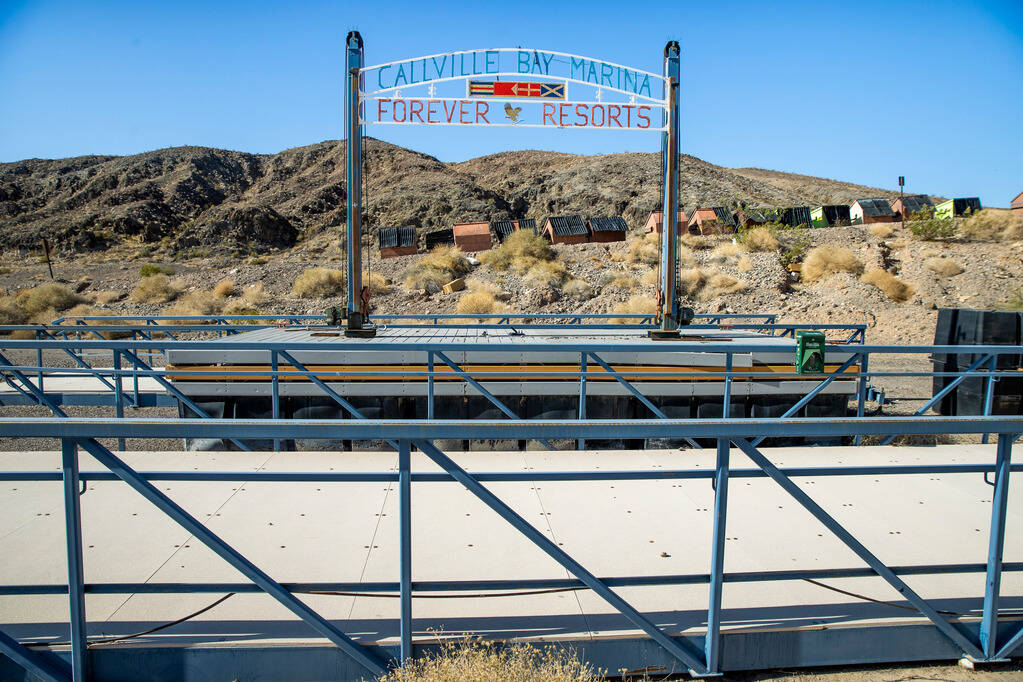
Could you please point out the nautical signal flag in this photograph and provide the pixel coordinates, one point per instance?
(521, 89)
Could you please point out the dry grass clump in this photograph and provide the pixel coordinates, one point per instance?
(652, 277)
(760, 239)
(745, 264)
(225, 288)
(890, 285)
(637, 304)
(476, 660)
(645, 249)
(156, 289)
(578, 289)
(547, 273)
(108, 296)
(197, 303)
(253, 295)
(992, 225)
(722, 252)
(436, 268)
(319, 283)
(943, 267)
(520, 251)
(11, 312)
(479, 302)
(696, 242)
(85, 310)
(47, 297)
(704, 285)
(881, 230)
(624, 281)
(377, 283)
(824, 261)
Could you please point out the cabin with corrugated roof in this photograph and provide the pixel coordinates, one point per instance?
(438, 238)
(655, 223)
(397, 241)
(610, 229)
(1017, 204)
(866, 211)
(753, 217)
(830, 216)
(566, 230)
(953, 208)
(908, 206)
(472, 237)
(717, 220)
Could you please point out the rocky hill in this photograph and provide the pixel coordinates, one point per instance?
(196, 199)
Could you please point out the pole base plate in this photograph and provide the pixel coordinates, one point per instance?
(664, 335)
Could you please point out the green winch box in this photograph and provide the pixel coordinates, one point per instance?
(809, 352)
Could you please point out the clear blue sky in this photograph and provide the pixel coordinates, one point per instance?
(861, 92)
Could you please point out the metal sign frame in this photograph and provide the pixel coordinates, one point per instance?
(535, 66)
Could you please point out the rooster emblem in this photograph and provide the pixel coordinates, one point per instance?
(512, 112)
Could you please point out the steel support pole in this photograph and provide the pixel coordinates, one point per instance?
(75, 573)
(353, 67)
(861, 391)
(670, 150)
(989, 391)
(405, 547)
(717, 556)
(581, 443)
(429, 385)
(118, 395)
(996, 543)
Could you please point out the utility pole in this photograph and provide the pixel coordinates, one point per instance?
(358, 300)
(669, 308)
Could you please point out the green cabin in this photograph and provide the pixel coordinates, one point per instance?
(829, 216)
(957, 207)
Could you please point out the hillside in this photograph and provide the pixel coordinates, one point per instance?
(194, 200)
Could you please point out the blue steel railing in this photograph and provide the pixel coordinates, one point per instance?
(128, 364)
(81, 433)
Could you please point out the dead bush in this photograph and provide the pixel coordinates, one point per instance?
(197, 303)
(519, 252)
(107, 297)
(760, 239)
(624, 281)
(11, 312)
(436, 268)
(547, 273)
(377, 283)
(156, 288)
(652, 277)
(890, 285)
(475, 659)
(881, 230)
(704, 285)
(225, 289)
(824, 261)
(645, 249)
(47, 297)
(253, 295)
(724, 251)
(943, 267)
(992, 225)
(745, 264)
(637, 304)
(479, 303)
(319, 283)
(577, 289)
(696, 242)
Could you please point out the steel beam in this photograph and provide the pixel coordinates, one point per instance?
(353, 67)
(75, 572)
(712, 640)
(950, 630)
(996, 543)
(405, 549)
(48, 667)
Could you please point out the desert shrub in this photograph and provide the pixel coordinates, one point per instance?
(928, 227)
(519, 252)
(479, 302)
(707, 284)
(624, 280)
(150, 269)
(107, 297)
(319, 283)
(253, 296)
(225, 288)
(436, 268)
(377, 283)
(824, 261)
(881, 230)
(745, 264)
(992, 225)
(759, 239)
(547, 273)
(197, 303)
(645, 249)
(474, 660)
(943, 267)
(156, 289)
(85, 310)
(11, 312)
(47, 297)
(722, 252)
(652, 277)
(577, 289)
(890, 285)
(696, 242)
(636, 304)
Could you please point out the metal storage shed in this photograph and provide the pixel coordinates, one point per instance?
(830, 216)
(566, 230)
(608, 229)
(502, 228)
(717, 220)
(472, 237)
(865, 211)
(904, 207)
(526, 224)
(655, 223)
(795, 216)
(1017, 204)
(957, 207)
(437, 238)
(397, 241)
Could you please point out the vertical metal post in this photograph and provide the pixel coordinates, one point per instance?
(353, 67)
(118, 395)
(405, 549)
(429, 384)
(581, 443)
(861, 391)
(135, 378)
(717, 556)
(39, 364)
(726, 411)
(670, 149)
(275, 395)
(75, 575)
(996, 543)
(989, 391)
